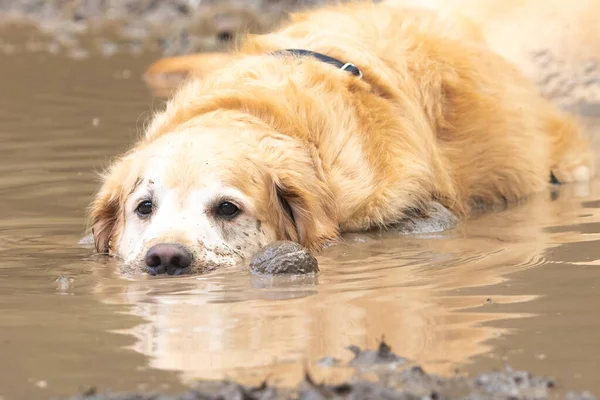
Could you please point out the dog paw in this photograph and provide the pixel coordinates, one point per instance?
(435, 218)
(579, 173)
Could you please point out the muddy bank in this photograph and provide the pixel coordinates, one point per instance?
(108, 27)
(389, 377)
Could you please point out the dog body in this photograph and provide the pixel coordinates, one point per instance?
(554, 44)
(284, 147)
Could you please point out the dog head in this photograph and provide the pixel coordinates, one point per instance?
(210, 193)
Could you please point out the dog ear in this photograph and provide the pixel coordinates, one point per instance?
(306, 212)
(167, 74)
(105, 212)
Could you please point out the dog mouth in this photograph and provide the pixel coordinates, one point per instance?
(197, 267)
(177, 259)
(162, 270)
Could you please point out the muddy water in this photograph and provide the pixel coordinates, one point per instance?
(518, 287)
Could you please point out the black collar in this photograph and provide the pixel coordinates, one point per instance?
(322, 57)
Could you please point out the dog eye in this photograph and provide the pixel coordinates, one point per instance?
(227, 210)
(144, 208)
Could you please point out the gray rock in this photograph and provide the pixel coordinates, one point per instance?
(284, 257)
(368, 358)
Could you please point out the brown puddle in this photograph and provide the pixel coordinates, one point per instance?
(517, 287)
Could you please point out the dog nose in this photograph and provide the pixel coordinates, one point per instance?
(169, 258)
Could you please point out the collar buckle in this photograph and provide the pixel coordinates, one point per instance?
(352, 69)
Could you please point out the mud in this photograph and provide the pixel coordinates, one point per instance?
(80, 28)
(391, 377)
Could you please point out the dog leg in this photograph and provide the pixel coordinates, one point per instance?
(436, 218)
(572, 159)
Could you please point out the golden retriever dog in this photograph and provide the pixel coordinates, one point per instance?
(395, 107)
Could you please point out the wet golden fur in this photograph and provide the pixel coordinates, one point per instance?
(522, 29)
(554, 44)
(437, 116)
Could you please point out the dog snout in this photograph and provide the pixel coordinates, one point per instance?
(168, 258)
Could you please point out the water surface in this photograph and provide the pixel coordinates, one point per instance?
(517, 287)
